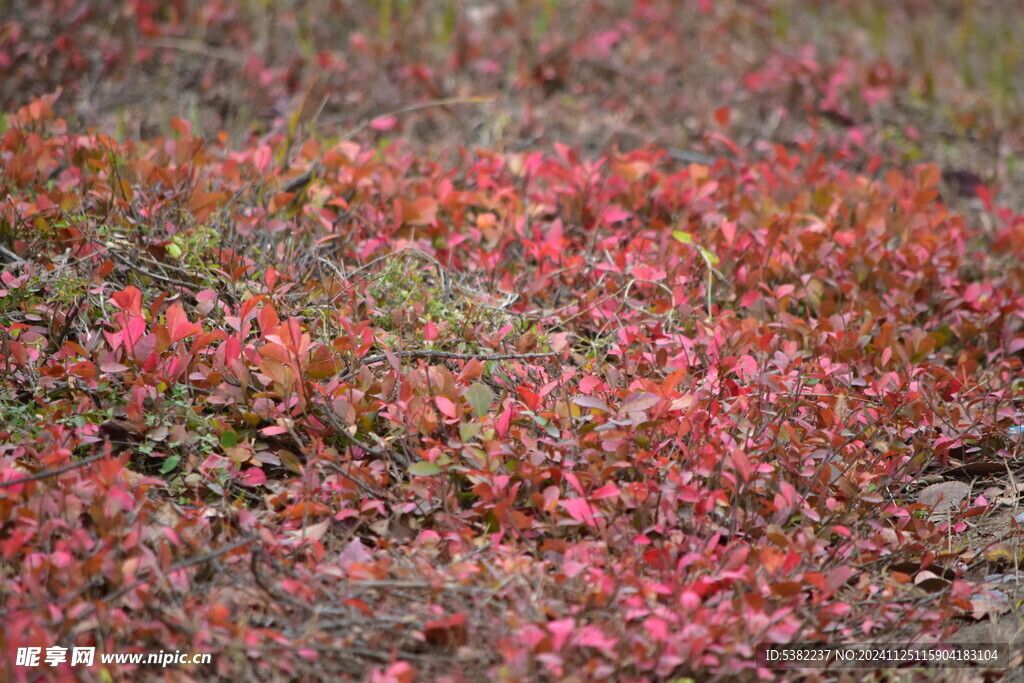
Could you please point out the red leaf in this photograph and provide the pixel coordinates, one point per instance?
(606, 491)
(305, 509)
(128, 300)
(252, 476)
(504, 420)
(10, 546)
(749, 298)
(178, 324)
(529, 398)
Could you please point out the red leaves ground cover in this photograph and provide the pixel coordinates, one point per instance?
(337, 409)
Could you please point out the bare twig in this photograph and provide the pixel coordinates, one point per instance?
(195, 47)
(52, 473)
(184, 564)
(10, 256)
(272, 591)
(148, 273)
(449, 355)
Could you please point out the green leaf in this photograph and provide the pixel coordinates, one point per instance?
(709, 256)
(228, 439)
(170, 464)
(424, 469)
(467, 430)
(480, 397)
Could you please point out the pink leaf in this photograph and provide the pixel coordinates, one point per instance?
(446, 406)
(614, 214)
(639, 401)
(504, 421)
(393, 361)
(606, 491)
(591, 402)
(749, 298)
(133, 329)
(560, 632)
(729, 232)
(592, 636)
(354, 552)
(656, 628)
(384, 123)
(253, 476)
(580, 510)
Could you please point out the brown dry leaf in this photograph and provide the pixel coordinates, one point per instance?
(380, 527)
(448, 633)
(313, 532)
(291, 461)
(167, 514)
(991, 604)
(931, 582)
(355, 551)
(158, 433)
(526, 343)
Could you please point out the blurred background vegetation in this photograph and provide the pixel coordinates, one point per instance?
(912, 81)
